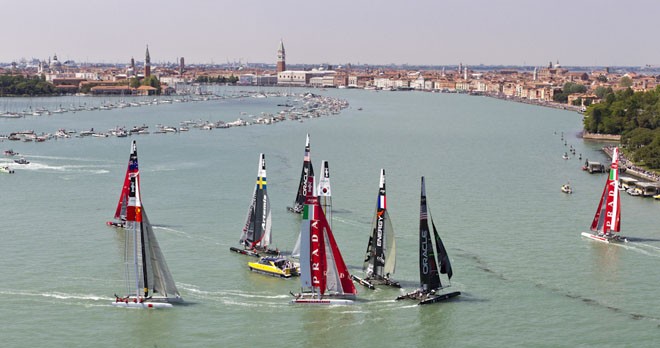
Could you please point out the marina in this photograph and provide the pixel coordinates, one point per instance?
(508, 229)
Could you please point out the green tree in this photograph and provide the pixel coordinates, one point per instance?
(152, 81)
(18, 85)
(638, 138)
(601, 91)
(134, 82)
(625, 81)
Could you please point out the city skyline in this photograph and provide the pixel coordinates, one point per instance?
(503, 32)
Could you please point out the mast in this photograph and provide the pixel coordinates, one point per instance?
(304, 239)
(139, 222)
(428, 268)
(307, 171)
(324, 191)
(134, 217)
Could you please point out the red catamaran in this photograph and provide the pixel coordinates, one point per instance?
(607, 221)
(149, 283)
(324, 277)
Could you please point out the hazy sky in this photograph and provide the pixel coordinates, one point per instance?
(437, 32)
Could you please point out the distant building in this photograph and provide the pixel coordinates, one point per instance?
(301, 78)
(116, 90)
(146, 90)
(181, 66)
(281, 59)
(257, 80)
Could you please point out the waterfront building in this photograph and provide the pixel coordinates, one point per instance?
(444, 85)
(257, 80)
(322, 81)
(300, 78)
(360, 81)
(146, 90)
(111, 90)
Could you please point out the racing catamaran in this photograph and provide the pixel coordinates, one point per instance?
(324, 277)
(307, 171)
(256, 235)
(380, 259)
(324, 192)
(429, 273)
(149, 282)
(607, 220)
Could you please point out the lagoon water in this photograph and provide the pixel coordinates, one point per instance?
(493, 171)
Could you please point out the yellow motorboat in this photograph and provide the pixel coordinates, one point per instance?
(275, 266)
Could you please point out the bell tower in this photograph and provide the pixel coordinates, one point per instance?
(147, 64)
(281, 64)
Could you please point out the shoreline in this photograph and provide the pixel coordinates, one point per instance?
(600, 137)
(578, 109)
(632, 169)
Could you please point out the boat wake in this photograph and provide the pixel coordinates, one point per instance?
(481, 264)
(186, 234)
(91, 169)
(67, 158)
(641, 248)
(173, 231)
(236, 297)
(336, 219)
(87, 300)
(594, 302)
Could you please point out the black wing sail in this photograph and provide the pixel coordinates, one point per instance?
(443, 257)
(307, 171)
(428, 268)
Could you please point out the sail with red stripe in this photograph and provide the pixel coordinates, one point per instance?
(322, 266)
(147, 276)
(608, 214)
(120, 212)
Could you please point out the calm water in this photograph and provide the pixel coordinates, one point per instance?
(493, 171)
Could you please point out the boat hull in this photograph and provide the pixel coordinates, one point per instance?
(115, 224)
(144, 305)
(323, 301)
(363, 282)
(604, 239)
(294, 210)
(270, 270)
(440, 298)
(371, 283)
(327, 299)
(254, 253)
(245, 252)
